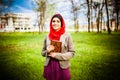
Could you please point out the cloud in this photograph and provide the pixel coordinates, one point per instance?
(23, 6)
(30, 3)
(21, 9)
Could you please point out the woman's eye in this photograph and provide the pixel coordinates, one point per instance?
(58, 21)
(53, 21)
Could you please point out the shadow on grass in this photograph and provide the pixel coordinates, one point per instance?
(109, 68)
(15, 66)
(13, 72)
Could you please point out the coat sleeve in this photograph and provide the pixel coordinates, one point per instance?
(44, 50)
(70, 50)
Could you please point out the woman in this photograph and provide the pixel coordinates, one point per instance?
(57, 65)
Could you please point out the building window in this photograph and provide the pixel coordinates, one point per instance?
(25, 28)
(17, 28)
(28, 28)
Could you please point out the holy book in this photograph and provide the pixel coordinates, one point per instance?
(57, 45)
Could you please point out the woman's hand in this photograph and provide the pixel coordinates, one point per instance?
(52, 54)
(50, 48)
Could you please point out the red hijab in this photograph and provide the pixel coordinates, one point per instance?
(55, 35)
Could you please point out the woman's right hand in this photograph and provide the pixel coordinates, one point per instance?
(50, 48)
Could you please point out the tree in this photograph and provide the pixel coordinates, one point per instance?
(108, 27)
(88, 14)
(75, 9)
(100, 7)
(116, 10)
(91, 14)
(41, 9)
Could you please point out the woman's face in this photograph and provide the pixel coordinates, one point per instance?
(56, 24)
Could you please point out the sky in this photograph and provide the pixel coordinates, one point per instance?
(23, 6)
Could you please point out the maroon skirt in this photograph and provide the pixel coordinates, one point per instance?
(54, 72)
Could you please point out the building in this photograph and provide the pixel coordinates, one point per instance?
(17, 22)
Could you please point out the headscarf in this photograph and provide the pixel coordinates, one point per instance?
(55, 35)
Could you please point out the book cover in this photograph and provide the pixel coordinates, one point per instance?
(57, 46)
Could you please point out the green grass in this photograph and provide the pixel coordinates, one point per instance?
(97, 56)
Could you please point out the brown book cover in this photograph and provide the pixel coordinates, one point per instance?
(57, 46)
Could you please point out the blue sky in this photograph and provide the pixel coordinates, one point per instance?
(24, 6)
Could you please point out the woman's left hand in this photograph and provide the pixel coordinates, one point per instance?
(52, 54)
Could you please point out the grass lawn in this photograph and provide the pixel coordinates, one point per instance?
(97, 56)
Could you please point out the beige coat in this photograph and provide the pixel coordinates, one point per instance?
(67, 51)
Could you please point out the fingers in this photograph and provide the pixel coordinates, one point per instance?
(50, 48)
(52, 54)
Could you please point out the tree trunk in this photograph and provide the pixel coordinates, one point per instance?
(88, 15)
(101, 24)
(117, 20)
(108, 28)
(42, 10)
(91, 15)
(75, 15)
